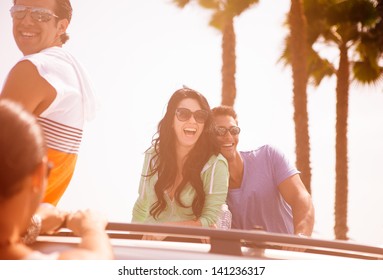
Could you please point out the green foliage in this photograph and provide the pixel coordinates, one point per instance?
(237, 7)
(181, 3)
(369, 47)
(319, 68)
(210, 4)
(356, 22)
(218, 20)
(366, 72)
(222, 9)
(352, 11)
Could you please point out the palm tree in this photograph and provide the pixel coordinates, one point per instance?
(224, 12)
(298, 41)
(306, 66)
(351, 26)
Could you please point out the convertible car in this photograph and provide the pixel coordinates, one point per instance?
(193, 243)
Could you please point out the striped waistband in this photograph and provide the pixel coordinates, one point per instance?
(61, 137)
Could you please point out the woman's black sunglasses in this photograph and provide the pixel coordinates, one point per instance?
(184, 114)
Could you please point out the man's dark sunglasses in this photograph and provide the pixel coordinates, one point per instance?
(221, 131)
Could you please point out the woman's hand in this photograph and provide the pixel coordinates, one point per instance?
(52, 218)
(83, 221)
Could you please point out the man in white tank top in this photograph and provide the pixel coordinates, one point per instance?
(51, 84)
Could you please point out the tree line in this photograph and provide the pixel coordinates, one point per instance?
(354, 28)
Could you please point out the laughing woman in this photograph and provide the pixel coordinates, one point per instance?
(184, 180)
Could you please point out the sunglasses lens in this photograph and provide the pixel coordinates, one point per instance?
(220, 131)
(20, 15)
(41, 16)
(18, 12)
(200, 116)
(183, 114)
(234, 130)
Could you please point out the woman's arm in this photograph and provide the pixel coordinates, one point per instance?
(216, 183)
(95, 243)
(141, 206)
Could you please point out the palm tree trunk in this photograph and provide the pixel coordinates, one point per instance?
(298, 45)
(341, 168)
(229, 89)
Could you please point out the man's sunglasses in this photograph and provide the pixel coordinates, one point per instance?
(221, 131)
(37, 14)
(184, 115)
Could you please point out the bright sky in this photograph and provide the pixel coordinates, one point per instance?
(139, 52)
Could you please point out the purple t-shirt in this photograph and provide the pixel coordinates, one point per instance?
(258, 201)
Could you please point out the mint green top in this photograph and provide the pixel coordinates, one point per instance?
(215, 178)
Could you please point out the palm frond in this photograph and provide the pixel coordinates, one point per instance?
(319, 68)
(236, 7)
(181, 3)
(366, 72)
(218, 20)
(210, 4)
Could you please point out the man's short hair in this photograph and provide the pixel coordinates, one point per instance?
(224, 110)
(64, 10)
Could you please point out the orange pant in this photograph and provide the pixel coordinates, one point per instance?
(60, 176)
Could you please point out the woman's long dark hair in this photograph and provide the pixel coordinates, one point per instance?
(164, 162)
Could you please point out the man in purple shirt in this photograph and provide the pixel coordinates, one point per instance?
(265, 190)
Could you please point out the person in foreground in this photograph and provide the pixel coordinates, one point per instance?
(24, 169)
(265, 190)
(50, 83)
(184, 180)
